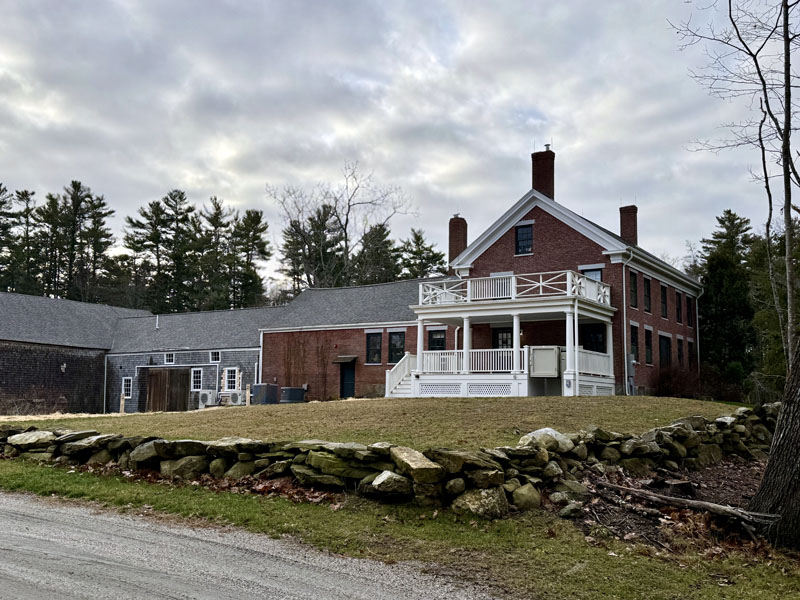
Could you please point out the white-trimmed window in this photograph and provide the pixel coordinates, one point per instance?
(127, 386)
(169, 358)
(197, 380)
(231, 378)
(213, 356)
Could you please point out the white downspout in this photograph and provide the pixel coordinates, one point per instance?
(697, 326)
(625, 324)
(260, 356)
(455, 337)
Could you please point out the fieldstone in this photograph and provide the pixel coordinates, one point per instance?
(571, 487)
(759, 455)
(490, 503)
(89, 444)
(188, 467)
(306, 445)
(693, 440)
(414, 464)
(455, 461)
(708, 454)
(345, 449)
(552, 470)
(511, 485)
(66, 461)
(524, 477)
(128, 443)
(382, 448)
(232, 446)
(74, 436)
(32, 439)
(101, 457)
(526, 497)
(240, 469)
(485, 478)
(671, 465)
(456, 486)
(637, 447)
(148, 451)
(610, 454)
(392, 484)
(366, 456)
(275, 469)
(496, 454)
(581, 451)
(180, 448)
(560, 498)
(725, 422)
(333, 465)
(124, 460)
(549, 438)
(697, 423)
(262, 463)
(217, 467)
(10, 451)
(743, 411)
(37, 456)
(573, 510)
(675, 449)
(603, 436)
(637, 467)
(308, 476)
(760, 432)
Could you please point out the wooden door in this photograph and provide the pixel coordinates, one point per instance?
(347, 379)
(168, 389)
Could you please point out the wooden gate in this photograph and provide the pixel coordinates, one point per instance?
(168, 389)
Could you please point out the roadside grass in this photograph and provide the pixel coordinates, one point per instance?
(416, 422)
(533, 555)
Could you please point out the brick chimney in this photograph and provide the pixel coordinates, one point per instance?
(543, 171)
(628, 229)
(458, 236)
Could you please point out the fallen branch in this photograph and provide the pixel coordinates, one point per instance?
(730, 512)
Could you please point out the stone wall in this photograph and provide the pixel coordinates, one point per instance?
(483, 482)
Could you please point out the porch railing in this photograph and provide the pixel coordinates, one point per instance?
(480, 361)
(403, 368)
(594, 363)
(513, 287)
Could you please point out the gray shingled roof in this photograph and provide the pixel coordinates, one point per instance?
(208, 330)
(380, 303)
(52, 321)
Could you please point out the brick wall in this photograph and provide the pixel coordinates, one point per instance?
(296, 358)
(41, 378)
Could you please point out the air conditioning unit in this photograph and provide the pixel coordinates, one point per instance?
(207, 398)
(231, 398)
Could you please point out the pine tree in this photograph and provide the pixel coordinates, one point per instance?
(249, 248)
(25, 256)
(95, 240)
(214, 293)
(419, 258)
(314, 248)
(181, 246)
(6, 241)
(73, 206)
(50, 243)
(733, 236)
(378, 260)
(146, 238)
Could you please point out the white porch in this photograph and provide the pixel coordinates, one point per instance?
(511, 302)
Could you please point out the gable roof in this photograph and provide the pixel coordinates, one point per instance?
(612, 244)
(206, 330)
(356, 305)
(57, 322)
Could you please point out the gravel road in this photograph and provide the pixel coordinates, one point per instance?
(55, 550)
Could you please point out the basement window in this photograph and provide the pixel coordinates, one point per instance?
(169, 358)
(127, 386)
(524, 239)
(213, 356)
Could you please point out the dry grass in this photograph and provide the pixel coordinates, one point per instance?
(416, 422)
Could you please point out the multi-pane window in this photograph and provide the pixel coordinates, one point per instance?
(690, 311)
(596, 274)
(678, 307)
(664, 301)
(437, 339)
(169, 358)
(664, 351)
(213, 356)
(692, 355)
(648, 346)
(635, 342)
(397, 345)
(374, 348)
(647, 303)
(502, 337)
(127, 386)
(231, 379)
(634, 289)
(680, 352)
(524, 239)
(197, 379)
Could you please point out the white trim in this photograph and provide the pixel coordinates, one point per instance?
(333, 327)
(680, 337)
(397, 329)
(688, 339)
(665, 334)
(522, 207)
(648, 327)
(436, 327)
(659, 270)
(593, 267)
(181, 351)
(130, 383)
(373, 331)
(211, 356)
(225, 379)
(169, 362)
(526, 222)
(502, 274)
(634, 323)
(191, 379)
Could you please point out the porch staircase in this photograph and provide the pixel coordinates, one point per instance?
(398, 379)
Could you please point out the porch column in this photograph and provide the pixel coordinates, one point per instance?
(420, 343)
(577, 347)
(515, 345)
(569, 373)
(610, 347)
(467, 345)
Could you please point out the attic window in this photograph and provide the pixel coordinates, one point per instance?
(169, 358)
(524, 239)
(213, 356)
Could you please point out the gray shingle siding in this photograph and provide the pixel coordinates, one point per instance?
(125, 365)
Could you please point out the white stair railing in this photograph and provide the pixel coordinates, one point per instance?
(400, 371)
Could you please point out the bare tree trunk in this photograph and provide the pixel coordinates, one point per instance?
(786, 160)
(779, 492)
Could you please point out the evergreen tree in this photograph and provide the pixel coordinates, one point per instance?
(25, 254)
(733, 236)
(419, 258)
(6, 242)
(50, 240)
(378, 260)
(73, 207)
(249, 248)
(146, 238)
(181, 250)
(215, 292)
(95, 240)
(314, 247)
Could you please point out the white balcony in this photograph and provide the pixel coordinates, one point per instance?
(514, 287)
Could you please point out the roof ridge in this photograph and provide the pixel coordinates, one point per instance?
(203, 312)
(365, 285)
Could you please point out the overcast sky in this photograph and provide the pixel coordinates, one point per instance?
(445, 99)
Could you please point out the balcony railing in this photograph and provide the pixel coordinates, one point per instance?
(497, 360)
(514, 287)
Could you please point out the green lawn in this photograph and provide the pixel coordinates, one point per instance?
(534, 555)
(415, 422)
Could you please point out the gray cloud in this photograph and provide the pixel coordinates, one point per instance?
(445, 99)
